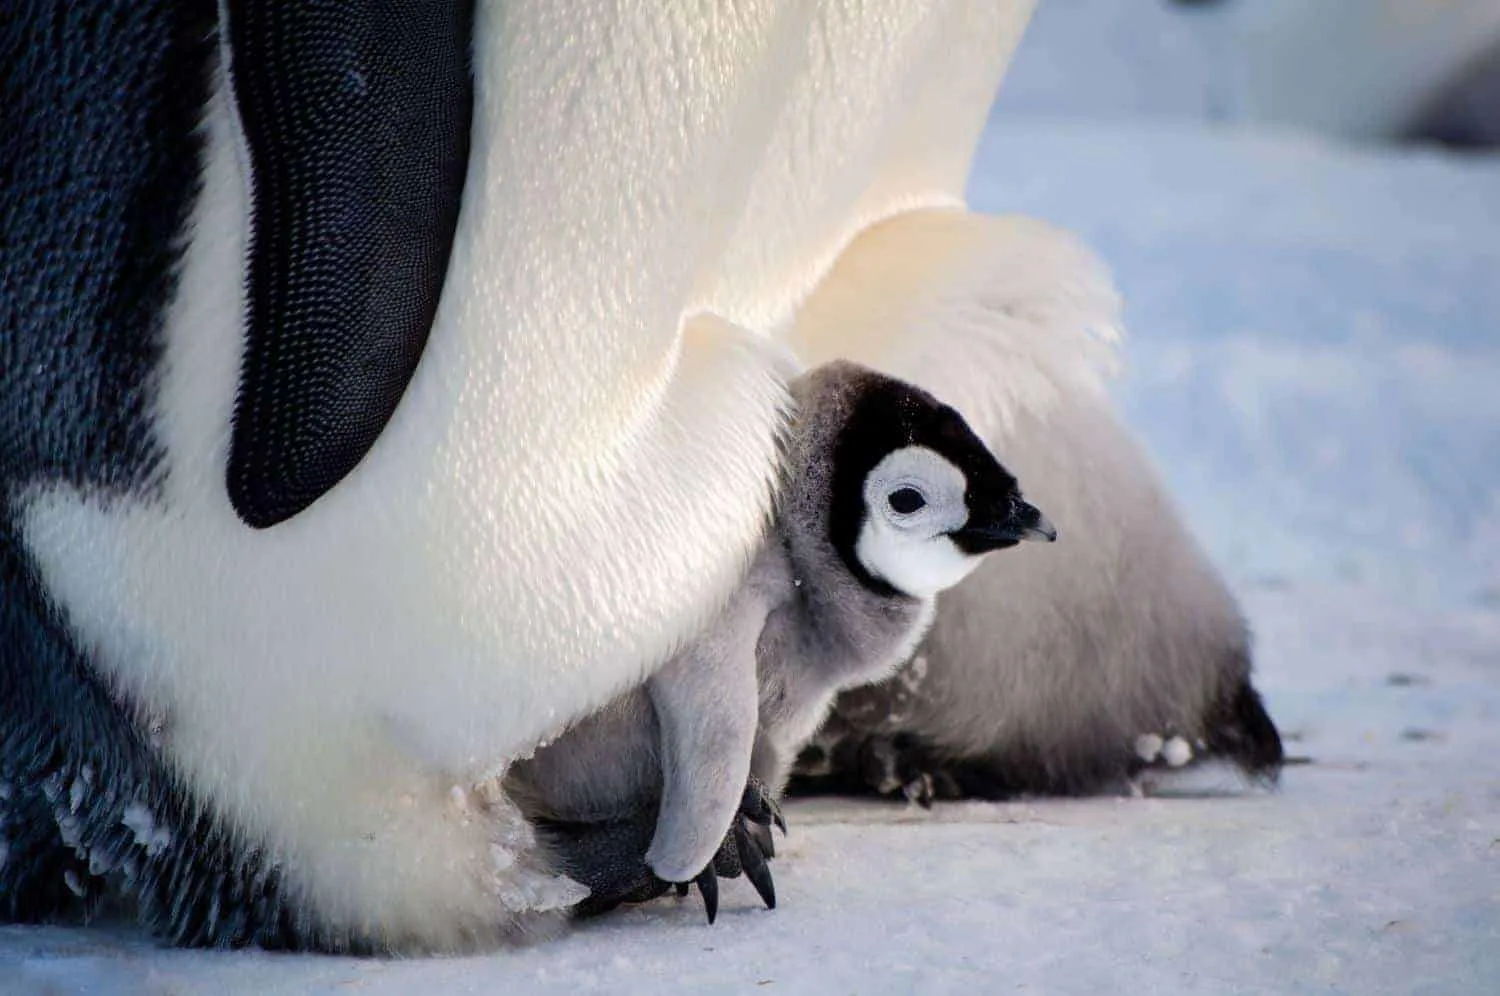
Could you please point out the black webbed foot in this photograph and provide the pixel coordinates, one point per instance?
(759, 807)
(753, 861)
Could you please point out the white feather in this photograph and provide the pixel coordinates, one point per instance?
(999, 317)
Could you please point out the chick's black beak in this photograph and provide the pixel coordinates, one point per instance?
(1019, 520)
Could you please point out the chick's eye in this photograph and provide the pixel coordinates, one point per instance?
(905, 501)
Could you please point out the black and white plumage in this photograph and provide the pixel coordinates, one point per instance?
(271, 467)
(87, 249)
(887, 499)
(1060, 671)
(121, 241)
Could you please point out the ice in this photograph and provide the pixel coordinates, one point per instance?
(458, 799)
(518, 885)
(69, 829)
(1365, 69)
(1148, 747)
(1176, 752)
(138, 819)
(101, 862)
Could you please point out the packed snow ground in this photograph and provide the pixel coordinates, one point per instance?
(1315, 362)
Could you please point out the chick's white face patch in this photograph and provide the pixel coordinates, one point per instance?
(914, 498)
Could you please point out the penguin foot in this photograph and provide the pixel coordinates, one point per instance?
(746, 849)
(609, 857)
(899, 766)
(748, 845)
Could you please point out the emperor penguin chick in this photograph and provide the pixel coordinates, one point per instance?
(888, 498)
(1117, 664)
(1120, 657)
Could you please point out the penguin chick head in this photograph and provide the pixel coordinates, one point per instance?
(915, 499)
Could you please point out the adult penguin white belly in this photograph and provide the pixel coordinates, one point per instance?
(308, 519)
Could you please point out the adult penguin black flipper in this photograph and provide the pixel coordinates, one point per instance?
(356, 115)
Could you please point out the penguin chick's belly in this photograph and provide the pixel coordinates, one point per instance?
(605, 767)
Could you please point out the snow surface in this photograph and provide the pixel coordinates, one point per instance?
(1315, 362)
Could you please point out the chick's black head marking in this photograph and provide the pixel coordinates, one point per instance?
(913, 497)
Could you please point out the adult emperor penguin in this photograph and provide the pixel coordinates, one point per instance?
(354, 359)
(1066, 671)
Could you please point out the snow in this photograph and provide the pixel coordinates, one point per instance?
(1177, 752)
(1313, 339)
(1360, 69)
(1314, 362)
(138, 819)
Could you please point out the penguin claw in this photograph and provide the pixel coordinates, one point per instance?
(758, 806)
(745, 849)
(753, 842)
(708, 887)
(608, 857)
(762, 838)
(753, 861)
